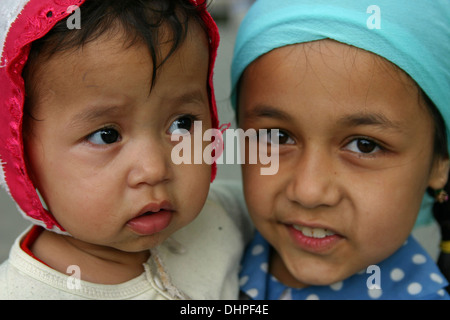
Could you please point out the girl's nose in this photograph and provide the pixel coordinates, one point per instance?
(150, 165)
(314, 182)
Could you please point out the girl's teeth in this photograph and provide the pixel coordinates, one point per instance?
(313, 232)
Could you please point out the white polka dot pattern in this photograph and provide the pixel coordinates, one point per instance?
(401, 278)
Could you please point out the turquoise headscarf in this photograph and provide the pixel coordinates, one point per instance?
(414, 35)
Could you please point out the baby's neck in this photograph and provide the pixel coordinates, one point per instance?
(97, 264)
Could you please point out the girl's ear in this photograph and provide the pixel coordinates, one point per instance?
(439, 174)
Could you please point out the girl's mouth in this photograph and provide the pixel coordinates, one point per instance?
(318, 233)
(313, 239)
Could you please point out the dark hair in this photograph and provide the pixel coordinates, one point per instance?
(440, 129)
(441, 213)
(139, 20)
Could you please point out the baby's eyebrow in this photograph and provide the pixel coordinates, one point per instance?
(94, 114)
(188, 97)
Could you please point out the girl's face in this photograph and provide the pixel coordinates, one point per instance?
(99, 146)
(355, 158)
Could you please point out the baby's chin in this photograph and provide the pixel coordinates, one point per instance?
(137, 244)
(149, 244)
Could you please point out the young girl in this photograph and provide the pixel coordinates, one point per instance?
(87, 120)
(359, 95)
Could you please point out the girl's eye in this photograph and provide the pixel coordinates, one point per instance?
(276, 136)
(362, 145)
(181, 124)
(104, 136)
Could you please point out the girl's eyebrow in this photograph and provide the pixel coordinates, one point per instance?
(353, 120)
(369, 119)
(266, 111)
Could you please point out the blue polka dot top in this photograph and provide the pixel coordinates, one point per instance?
(410, 273)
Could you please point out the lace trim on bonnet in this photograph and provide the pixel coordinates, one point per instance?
(22, 22)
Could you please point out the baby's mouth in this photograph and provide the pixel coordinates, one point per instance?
(317, 233)
(148, 213)
(152, 218)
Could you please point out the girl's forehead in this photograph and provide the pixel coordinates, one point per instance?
(332, 76)
(337, 58)
(343, 71)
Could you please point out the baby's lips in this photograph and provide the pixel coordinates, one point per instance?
(150, 223)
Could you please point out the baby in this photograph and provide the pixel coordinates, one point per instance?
(361, 111)
(88, 160)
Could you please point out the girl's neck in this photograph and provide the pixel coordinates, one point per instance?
(97, 264)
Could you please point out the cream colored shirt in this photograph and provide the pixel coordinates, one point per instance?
(201, 261)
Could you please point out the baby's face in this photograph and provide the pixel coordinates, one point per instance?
(355, 158)
(100, 149)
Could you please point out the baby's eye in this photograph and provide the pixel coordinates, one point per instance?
(104, 136)
(182, 123)
(276, 136)
(362, 145)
